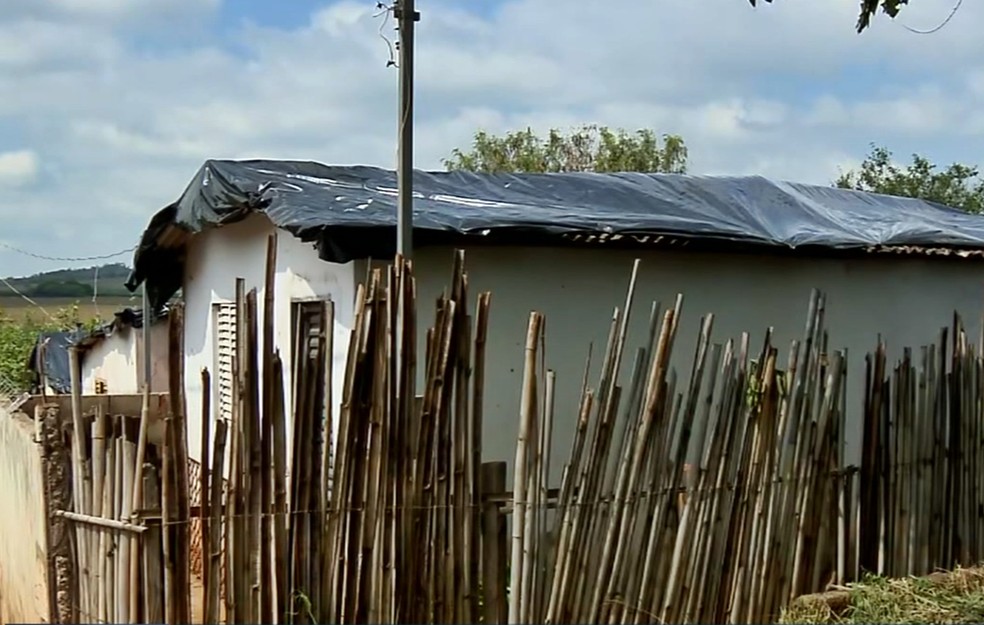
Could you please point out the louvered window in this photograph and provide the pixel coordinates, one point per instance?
(224, 316)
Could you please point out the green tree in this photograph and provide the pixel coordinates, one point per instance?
(869, 8)
(61, 288)
(589, 148)
(18, 337)
(958, 185)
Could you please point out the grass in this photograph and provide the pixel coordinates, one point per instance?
(20, 310)
(955, 597)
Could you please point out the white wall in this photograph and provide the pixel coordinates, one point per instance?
(906, 300)
(118, 359)
(113, 359)
(158, 356)
(215, 259)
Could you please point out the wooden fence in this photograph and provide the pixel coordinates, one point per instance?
(713, 497)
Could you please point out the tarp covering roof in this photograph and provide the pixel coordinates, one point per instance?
(56, 368)
(351, 212)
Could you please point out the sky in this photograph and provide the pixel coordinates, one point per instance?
(109, 107)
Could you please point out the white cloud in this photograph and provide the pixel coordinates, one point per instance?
(18, 168)
(128, 98)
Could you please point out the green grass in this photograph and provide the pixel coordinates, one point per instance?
(956, 597)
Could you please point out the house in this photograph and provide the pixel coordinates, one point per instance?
(747, 249)
(110, 357)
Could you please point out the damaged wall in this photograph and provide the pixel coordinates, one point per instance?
(117, 362)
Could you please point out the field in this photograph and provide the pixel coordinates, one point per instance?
(103, 308)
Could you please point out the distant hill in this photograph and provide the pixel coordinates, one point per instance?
(69, 283)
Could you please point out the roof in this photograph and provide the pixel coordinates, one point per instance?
(350, 213)
(57, 371)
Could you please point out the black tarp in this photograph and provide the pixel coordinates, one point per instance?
(56, 345)
(350, 212)
(57, 371)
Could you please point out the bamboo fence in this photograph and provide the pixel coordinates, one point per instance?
(713, 497)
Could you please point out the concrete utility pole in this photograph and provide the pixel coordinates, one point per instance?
(406, 17)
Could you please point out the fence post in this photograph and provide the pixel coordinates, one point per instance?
(57, 496)
(494, 543)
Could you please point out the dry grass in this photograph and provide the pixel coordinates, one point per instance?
(955, 597)
(20, 310)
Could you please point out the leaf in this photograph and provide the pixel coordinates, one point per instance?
(868, 9)
(588, 148)
(958, 185)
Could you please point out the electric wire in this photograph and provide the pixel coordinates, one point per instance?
(937, 28)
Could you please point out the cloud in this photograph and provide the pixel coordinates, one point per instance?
(18, 168)
(128, 98)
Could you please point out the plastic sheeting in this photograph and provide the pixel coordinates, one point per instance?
(350, 212)
(57, 371)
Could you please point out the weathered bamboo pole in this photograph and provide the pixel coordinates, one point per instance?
(115, 524)
(98, 482)
(176, 476)
(137, 494)
(237, 603)
(128, 546)
(494, 547)
(520, 503)
(280, 506)
(252, 382)
(204, 500)
(153, 582)
(476, 424)
(81, 490)
(212, 548)
(271, 589)
(107, 541)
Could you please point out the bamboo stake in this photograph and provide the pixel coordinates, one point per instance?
(272, 589)
(212, 551)
(176, 474)
(80, 479)
(546, 443)
(137, 495)
(280, 508)
(107, 540)
(494, 546)
(127, 544)
(237, 603)
(153, 583)
(205, 504)
(520, 473)
(98, 478)
(120, 599)
(477, 423)
(114, 524)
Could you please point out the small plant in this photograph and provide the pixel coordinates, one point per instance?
(18, 338)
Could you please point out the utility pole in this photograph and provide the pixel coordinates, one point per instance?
(406, 17)
(147, 322)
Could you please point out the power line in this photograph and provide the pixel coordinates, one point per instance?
(67, 259)
(27, 299)
(953, 11)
